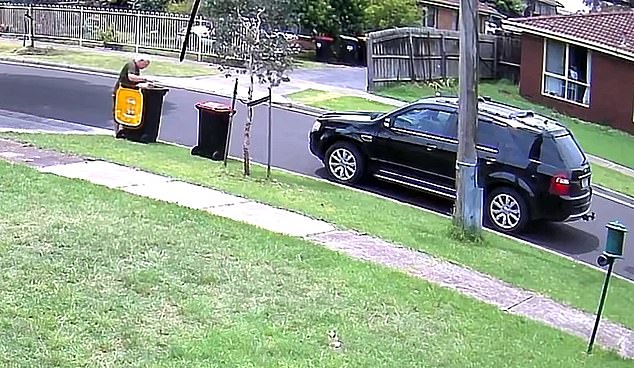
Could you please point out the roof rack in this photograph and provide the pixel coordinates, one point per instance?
(442, 94)
(484, 99)
(521, 114)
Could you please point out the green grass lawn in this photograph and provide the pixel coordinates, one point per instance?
(500, 257)
(108, 61)
(5, 47)
(613, 179)
(306, 60)
(96, 277)
(336, 102)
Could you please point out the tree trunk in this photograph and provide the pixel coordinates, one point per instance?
(246, 144)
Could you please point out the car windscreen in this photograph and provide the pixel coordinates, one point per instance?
(562, 149)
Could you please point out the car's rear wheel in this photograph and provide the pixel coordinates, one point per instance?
(507, 210)
(345, 163)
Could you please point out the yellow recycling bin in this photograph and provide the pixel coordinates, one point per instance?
(128, 108)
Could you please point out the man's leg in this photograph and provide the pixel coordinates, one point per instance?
(114, 106)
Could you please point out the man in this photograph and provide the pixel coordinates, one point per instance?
(129, 77)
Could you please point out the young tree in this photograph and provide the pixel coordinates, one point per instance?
(281, 13)
(381, 14)
(263, 53)
(274, 61)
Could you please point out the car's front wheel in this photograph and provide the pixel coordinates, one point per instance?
(507, 210)
(345, 163)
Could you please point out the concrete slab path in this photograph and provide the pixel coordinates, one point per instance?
(476, 285)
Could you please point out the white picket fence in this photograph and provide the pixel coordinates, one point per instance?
(141, 31)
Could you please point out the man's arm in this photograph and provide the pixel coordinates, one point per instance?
(136, 78)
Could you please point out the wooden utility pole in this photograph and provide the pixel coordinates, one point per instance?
(468, 209)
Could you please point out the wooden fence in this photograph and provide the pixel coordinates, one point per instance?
(423, 54)
(149, 32)
(509, 56)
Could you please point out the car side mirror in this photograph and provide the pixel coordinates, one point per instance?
(387, 122)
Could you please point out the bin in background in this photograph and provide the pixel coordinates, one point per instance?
(324, 49)
(363, 51)
(213, 130)
(348, 52)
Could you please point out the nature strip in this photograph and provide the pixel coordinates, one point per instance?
(468, 282)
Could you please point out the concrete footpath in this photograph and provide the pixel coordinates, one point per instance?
(479, 286)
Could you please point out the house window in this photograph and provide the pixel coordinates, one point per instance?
(567, 72)
(544, 9)
(455, 16)
(430, 15)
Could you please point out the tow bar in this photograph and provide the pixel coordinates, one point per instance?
(590, 216)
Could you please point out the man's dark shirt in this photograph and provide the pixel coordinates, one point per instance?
(129, 67)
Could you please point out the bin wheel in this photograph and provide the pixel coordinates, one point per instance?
(145, 138)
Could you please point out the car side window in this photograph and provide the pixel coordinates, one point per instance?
(490, 135)
(424, 120)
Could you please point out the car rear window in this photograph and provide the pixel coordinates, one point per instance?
(562, 150)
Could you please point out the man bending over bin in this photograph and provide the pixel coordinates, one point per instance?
(130, 77)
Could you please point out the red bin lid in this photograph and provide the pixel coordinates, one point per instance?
(324, 38)
(213, 106)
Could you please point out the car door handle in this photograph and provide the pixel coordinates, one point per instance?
(490, 160)
(431, 147)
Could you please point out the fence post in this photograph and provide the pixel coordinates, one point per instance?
(370, 69)
(430, 62)
(443, 57)
(200, 43)
(81, 26)
(31, 26)
(495, 57)
(412, 70)
(137, 32)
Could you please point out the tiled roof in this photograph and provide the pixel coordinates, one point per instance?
(611, 30)
(455, 4)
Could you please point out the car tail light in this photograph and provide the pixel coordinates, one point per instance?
(560, 185)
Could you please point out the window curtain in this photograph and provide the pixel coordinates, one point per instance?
(555, 57)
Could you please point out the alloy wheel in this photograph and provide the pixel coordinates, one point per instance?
(342, 164)
(505, 211)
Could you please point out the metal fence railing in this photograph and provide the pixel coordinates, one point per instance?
(137, 30)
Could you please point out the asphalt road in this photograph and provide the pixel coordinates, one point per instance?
(85, 99)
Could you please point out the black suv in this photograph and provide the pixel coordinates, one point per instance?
(531, 167)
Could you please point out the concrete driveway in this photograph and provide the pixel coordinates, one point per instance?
(334, 75)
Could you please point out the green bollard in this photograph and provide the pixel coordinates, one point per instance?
(613, 250)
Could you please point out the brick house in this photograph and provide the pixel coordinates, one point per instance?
(443, 14)
(580, 64)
